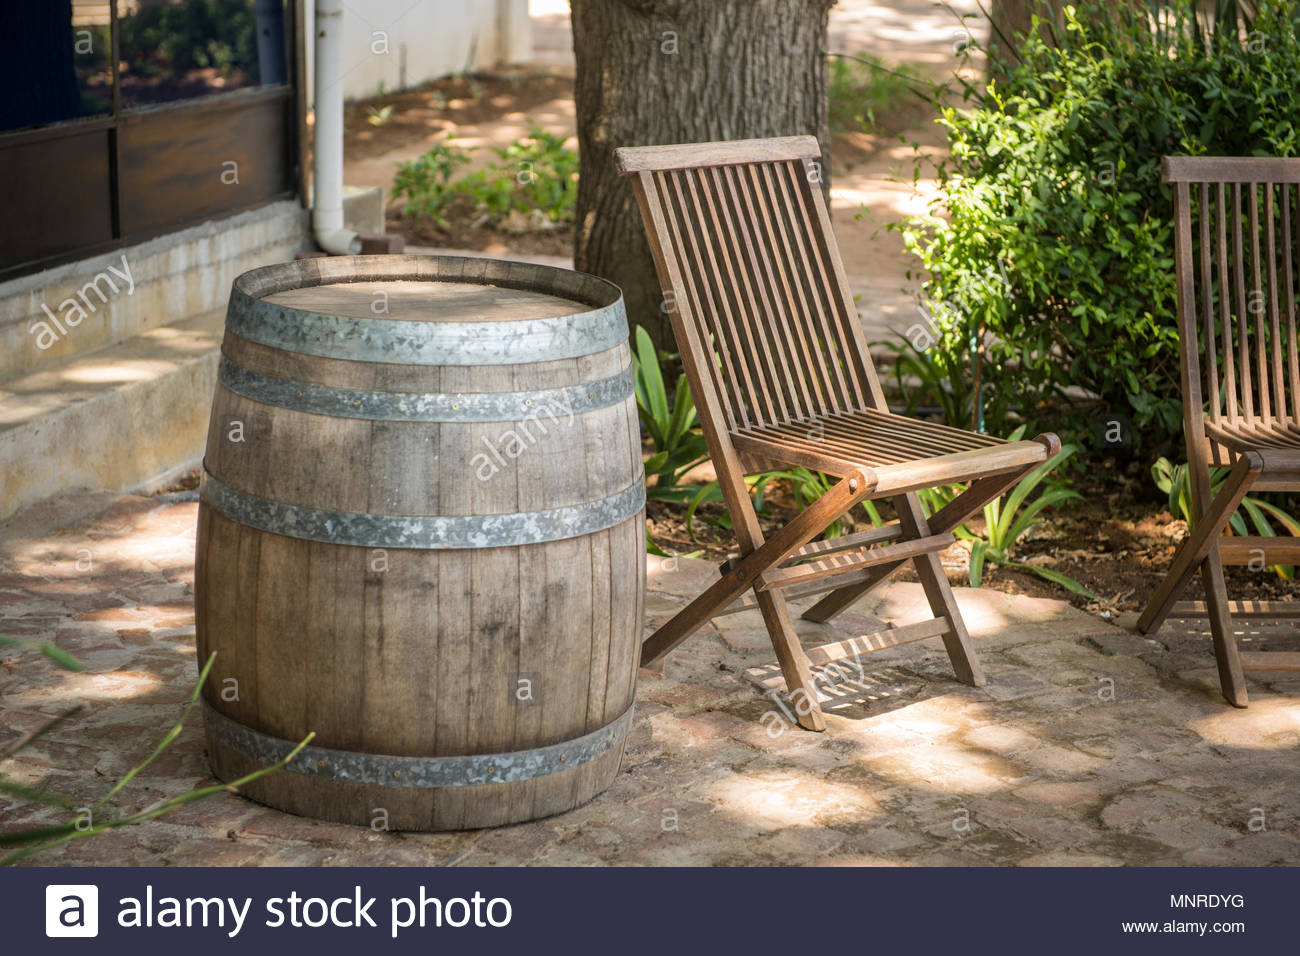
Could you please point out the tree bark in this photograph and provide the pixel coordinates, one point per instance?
(651, 72)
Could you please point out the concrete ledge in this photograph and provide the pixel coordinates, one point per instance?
(51, 316)
(120, 418)
(181, 274)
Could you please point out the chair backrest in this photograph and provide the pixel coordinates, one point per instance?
(752, 278)
(1236, 248)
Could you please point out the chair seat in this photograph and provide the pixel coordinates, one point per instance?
(1249, 434)
(902, 453)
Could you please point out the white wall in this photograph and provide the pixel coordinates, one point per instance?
(403, 43)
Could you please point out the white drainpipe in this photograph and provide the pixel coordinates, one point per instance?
(327, 158)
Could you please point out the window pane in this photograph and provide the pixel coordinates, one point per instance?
(54, 62)
(181, 49)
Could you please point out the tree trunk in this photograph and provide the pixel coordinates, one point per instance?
(651, 72)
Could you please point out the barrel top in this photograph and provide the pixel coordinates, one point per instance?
(429, 300)
(427, 310)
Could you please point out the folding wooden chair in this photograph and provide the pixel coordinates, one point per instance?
(781, 375)
(1235, 259)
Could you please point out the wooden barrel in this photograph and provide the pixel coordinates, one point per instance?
(422, 538)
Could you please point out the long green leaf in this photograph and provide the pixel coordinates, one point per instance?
(978, 552)
(683, 417)
(1056, 577)
(55, 653)
(15, 789)
(1026, 519)
(652, 378)
(168, 738)
(154, 810)
(710, 492)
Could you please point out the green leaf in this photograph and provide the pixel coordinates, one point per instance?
(1056, 577)
(710, 492)
(55, 653)
(978, 552)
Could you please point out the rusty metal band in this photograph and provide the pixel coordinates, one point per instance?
(548, 403)
(397, 342)
(430, 532)
(382, 770)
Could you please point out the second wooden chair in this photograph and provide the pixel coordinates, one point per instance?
(1235, 249)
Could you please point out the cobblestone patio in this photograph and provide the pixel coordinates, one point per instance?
(1089, 746)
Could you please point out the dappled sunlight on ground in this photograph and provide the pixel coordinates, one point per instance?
(1088, 746)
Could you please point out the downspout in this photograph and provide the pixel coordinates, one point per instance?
(327, 138)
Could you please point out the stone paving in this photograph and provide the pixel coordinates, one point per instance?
(1089, 746)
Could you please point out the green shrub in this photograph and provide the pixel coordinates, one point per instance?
(1053, 244)
(425, 182)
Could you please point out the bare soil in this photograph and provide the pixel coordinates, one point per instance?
(467, 232)
(444, 105)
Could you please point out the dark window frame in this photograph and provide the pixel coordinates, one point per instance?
(284, 158)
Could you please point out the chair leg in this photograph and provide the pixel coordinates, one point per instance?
(794, 663)
(757, 556)
(1203, 541)
(980, 493)
(1231, 678)
(939, 593)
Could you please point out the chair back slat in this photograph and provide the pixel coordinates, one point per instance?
(832, 323)
(741, 279)
(1241, 318)
(1225, 309)
(1207, 303)
(1289, 262)
(1277, 376)
(747, 212)
(784, 290)
(1237, 223)
(686, 221)
(758, 279)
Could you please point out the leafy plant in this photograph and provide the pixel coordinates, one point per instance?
(89, 821)
(425, 182)
(1009, 518)
(1051, 243)
(545, 173)
(670, 424)
(1175, 481)
(535, 179)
